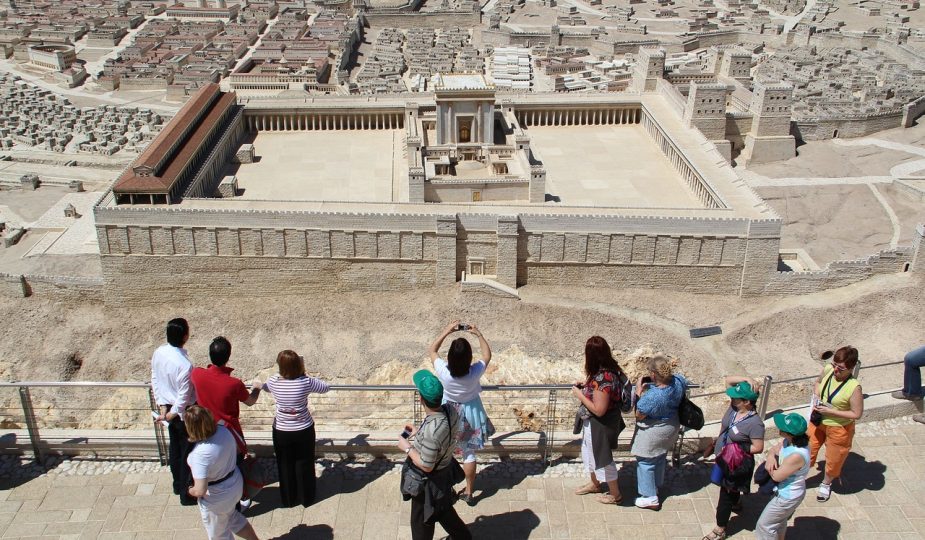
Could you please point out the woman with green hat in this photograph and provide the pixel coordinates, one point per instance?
(743, 426)
(788, 464)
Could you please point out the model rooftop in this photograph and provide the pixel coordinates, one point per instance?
(464, 81)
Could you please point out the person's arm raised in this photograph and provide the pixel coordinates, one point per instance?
(435, 346)
(483, 344)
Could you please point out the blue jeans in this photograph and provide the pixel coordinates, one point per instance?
(912, 376)
(650, 475)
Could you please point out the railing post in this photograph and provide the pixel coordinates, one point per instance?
(550, 430)
(765, 396)
(159, 437)
(416, 413)
(29, 416)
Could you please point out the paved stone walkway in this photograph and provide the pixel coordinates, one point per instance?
(881, 498)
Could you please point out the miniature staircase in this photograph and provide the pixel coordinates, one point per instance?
(484, 284)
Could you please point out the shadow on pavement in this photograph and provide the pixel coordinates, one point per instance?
(332, 480)
(507, 526)
(857, 475)
(306, 532)
(813, 528)
(21, 469)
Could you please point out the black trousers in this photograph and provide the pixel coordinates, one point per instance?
(295, 462)
(727, 499)
(449, 519)
(178, 450)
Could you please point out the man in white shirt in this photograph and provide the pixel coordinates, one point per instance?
(173, 391)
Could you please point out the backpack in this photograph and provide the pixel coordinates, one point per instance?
(690, 415)
(627, 396)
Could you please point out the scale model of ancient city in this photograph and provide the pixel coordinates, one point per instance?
(274, 148)
(290, 147)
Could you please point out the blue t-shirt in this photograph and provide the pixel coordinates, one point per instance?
(662, 403)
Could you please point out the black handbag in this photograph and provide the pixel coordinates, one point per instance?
(413, 479)
(690, 415)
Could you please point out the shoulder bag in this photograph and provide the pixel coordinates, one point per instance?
(413, 479)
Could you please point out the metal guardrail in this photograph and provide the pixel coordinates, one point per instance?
(512, 408)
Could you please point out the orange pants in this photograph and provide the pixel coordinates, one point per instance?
(837, 441)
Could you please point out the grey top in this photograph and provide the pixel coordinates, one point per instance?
(745, 430)
(434, 439)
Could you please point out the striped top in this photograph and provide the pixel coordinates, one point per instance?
(292, 401)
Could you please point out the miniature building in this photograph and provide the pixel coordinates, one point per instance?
(650, 67)
(29, 182)
(472, 186)
(56, 57)
(769, 138)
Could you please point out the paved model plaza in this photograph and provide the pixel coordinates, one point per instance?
(355, 165)
(615, 165)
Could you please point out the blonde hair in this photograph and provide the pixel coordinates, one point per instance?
(660, 366)
(200, 424)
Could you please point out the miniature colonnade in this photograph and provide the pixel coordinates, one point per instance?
(305, 121)
(578, 117)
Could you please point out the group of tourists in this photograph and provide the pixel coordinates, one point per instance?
(200, 407)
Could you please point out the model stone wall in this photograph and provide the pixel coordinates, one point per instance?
(840, 273)
(823, 129)
(461, 192)
(462, 19)
(143, 280)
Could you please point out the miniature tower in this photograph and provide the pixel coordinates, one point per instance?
(650, 67)
(736, 64)
(706, 111)
(769, 138)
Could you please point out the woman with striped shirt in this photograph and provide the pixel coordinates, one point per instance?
(294, 429)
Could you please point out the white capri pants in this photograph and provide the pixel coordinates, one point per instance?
(607, 473)
(773, 521)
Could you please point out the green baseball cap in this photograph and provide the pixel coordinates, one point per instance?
(791, 423)
(428, 385)
(742, 390)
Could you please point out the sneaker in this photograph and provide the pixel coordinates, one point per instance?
(899, 394)
(467, 498)
(649, 503)
(920, 418)
(825, 492)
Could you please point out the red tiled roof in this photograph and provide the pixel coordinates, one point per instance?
(163, 181)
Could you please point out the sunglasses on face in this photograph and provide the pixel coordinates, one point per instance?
(839, 368)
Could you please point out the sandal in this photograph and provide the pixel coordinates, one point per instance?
(715, 535)
(607, 498)
(587, 488)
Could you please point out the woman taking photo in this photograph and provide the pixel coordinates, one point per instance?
(839, 404)
(217, 482)
(294, 428)
(600, 397)
(461, 390)
(743, 426)
(657, 426)
(788, 464)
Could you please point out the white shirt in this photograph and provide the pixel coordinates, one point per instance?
(170, 371)
(460, 389)
(212, 459)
